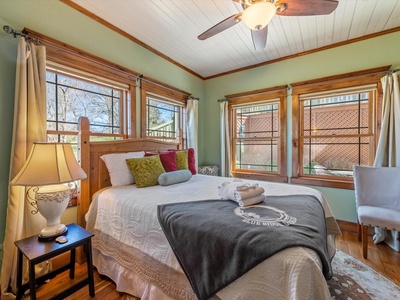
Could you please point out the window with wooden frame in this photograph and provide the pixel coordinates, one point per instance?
(71, 94)
(163, 112)
(258, 134)
(83, 79)
(335, 126)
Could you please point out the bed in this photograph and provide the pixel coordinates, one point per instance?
(130, 248)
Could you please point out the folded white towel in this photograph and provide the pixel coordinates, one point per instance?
(248, 193)
(227, 189)
(247, 186)
(244, 194)
(252, 200)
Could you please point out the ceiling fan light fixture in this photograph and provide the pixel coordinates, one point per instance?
(258, 15)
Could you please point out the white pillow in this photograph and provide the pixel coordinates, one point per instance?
(118, 169)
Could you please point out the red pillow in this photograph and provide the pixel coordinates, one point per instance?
(191, 159)
(168, 160)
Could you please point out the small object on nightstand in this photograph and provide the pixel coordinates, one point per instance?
(212, 170)
(62, 239)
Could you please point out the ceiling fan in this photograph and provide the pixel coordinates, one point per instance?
(258, 13)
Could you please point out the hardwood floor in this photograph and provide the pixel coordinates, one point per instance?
(380, 257)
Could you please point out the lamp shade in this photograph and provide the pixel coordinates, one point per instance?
(49, 163)
(258, 15)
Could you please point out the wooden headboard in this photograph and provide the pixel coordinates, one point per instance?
(93, 165)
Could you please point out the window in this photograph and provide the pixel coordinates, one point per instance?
(81, 84)
(163, 119)
(70, 97)
(257, 127)
(336, 124)
(163, 112)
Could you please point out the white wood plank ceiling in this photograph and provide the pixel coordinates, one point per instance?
(172, 26)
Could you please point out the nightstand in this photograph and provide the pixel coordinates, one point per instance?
(36, 252)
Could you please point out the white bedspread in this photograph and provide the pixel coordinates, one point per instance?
(129, 216)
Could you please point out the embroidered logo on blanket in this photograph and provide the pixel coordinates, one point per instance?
(262, 215)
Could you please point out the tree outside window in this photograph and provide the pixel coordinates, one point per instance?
(69, 98)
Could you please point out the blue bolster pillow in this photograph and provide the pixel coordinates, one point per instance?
(174, 177)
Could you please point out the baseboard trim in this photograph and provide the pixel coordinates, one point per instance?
(347, 226)
(353, 227)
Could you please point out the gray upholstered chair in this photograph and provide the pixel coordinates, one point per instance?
(377, 191)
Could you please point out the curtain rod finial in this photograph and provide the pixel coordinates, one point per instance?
(193, 98)
(8, 29)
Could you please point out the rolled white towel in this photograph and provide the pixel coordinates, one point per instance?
(247, 186)
(227, 189)
(248, 193)
(252, 200)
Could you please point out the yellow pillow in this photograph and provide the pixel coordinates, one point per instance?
(146, 170)
(182, 160)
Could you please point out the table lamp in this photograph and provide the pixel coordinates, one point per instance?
(50, 173)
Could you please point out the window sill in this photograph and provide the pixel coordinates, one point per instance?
(260, 176)
(325, 182)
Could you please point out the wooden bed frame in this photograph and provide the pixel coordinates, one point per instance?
(89, 154)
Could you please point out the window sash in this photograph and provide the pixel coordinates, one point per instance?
(361, 128)
(172, 134)
(152, 89)
(123, 95)
(267, 162)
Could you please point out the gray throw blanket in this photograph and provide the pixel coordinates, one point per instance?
(216, 241)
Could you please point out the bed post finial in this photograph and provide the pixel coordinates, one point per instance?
(84, 190)
(84, 160)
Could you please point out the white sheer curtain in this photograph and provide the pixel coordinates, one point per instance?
(29, 126)
(388, 152)
(192, 120)
(225, 142)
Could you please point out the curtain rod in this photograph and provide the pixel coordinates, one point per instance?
(393, 71)
(139, 77)
(16, 33)
(193, 98)
(222, 100)
(54, 45)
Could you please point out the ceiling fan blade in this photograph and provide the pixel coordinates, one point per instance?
(221, 26)
(306, 7)
(259, 38)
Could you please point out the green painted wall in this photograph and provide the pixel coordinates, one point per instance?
(56, 20)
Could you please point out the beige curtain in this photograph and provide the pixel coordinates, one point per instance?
(388, 152)
(225, 142)
(29, 126)
(192, 120)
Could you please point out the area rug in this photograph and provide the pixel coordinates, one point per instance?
(354, 280)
